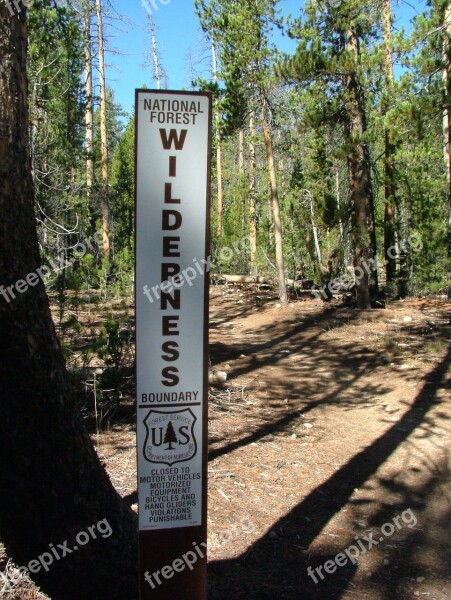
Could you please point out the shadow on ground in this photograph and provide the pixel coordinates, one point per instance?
(276, 565)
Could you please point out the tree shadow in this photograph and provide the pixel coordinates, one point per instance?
(275, 565)
(321, 374)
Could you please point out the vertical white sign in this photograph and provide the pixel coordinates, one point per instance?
(172, 195)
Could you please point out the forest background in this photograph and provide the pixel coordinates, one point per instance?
(328, 159)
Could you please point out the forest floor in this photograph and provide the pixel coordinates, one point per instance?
(331, 434)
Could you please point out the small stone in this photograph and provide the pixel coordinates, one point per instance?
(416, 594)
(278, 306)
(293, 436)
(421, 579)
(386, 561)
(407, 319)
(308, 425)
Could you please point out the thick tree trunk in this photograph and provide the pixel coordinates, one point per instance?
(278, 236)
(89, 110)
(52, 484)
(447, 121)
(252, 196)
(103, 137)
(390, 190)
(362, 200)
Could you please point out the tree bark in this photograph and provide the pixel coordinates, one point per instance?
(52, 484)
(278, 236)
(103, 137)
(252, 196)
(219, 226)
(89, 110)
(362, 200)
(389, 190)
(241, 150)
(447, 121)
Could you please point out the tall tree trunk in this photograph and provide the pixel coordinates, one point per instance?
(241, 151)
(364, 234)
(278, 235)
(337, 196)
(315, 233)
(219, 226)
(447, 121)
(252, 196)
(103, 137)
(89, 110)
(390, 190)
(52, 484)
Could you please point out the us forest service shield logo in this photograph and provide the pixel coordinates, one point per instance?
(170, 436)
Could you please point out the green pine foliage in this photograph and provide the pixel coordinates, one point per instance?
(308, 110)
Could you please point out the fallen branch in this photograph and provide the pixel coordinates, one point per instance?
(241, 278)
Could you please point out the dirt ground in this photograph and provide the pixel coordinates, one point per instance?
(332, 434)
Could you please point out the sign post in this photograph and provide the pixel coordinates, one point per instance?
(171, 288)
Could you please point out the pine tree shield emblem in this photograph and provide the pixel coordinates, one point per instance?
(170, 436)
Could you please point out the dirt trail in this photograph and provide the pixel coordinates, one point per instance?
(332, 431)
(337, 423)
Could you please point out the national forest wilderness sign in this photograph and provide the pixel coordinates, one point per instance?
(172, 264)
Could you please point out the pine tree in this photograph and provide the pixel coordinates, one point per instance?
(389, 149)
(170, 436)
(103, 134)
(55, 63)
(87, 12)
(331, 50)
(241, 32)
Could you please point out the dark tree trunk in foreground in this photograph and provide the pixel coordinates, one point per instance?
(52, 484)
